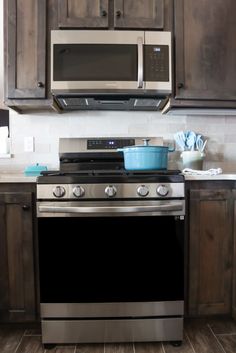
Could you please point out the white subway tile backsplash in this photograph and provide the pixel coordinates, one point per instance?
(47, 128)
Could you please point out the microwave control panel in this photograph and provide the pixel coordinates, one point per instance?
(156, 63)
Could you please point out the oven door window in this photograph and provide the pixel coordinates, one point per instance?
(106, 259)
(95, 62)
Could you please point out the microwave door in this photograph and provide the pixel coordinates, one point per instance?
(103, 60)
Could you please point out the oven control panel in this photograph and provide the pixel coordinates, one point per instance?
(111, 191)
(109, 144)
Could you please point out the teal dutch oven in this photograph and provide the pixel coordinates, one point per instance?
(145, 157)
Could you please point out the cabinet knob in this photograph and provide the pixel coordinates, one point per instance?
(118, 13)
(180, 85)
(25, 207)
(40, 84)
(103, 13)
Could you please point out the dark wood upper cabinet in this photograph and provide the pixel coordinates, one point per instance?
(130, 14)
(205, 49)
(83, 13)
(139, 14)
(17, 279)
(210, 251)
(25, 46)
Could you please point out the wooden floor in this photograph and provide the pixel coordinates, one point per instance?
(200, 336)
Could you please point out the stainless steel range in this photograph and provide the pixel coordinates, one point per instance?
(110, 248)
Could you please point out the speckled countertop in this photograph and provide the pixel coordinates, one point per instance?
(211, 177)
(21, 178)
(16, 178)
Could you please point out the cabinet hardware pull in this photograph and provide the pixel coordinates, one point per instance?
(40, 84)
(118, 13)
(25, 207)
(104, 13)
(180, 85)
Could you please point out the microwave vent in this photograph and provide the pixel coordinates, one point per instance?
(147, 102)
(73, 101)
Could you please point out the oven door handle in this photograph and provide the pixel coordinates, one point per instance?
(165, 207)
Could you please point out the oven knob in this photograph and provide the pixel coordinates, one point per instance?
(142, 190)
(162, 190)
(110, 191)
(78, 191)
(59, 191)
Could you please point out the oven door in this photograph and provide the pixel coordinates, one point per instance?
(111, 258)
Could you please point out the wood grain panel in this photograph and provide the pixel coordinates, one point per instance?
(26, 44)
(148, 347)
(139, 14)
(88, 348)
(10, 339)
(210, 252)
(3, 261)
(205, 57)
(31, 344)
(184, 348)
(223, 326)
(17, 284)
(25, 39)
(212, 247)
(201, 337)
(15, 260)
(83, 13)
(118, 348)
(228, 343)
(83, 8)
(234, 258)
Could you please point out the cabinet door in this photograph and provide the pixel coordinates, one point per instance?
(139, 14)
(25, 48)
(83, 13)
(205, 49)
(210, 252)
(17, 285)
(234, 261)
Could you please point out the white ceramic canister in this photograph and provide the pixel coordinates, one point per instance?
(192, 159)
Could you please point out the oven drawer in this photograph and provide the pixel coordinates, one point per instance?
(133, 330)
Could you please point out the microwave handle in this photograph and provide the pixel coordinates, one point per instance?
(140, 62)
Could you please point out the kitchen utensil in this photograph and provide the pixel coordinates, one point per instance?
(200, 145)
(203, 146)
(180, 139)
(190, 139)
(145, 157)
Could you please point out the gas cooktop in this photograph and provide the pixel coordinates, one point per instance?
(110, 176)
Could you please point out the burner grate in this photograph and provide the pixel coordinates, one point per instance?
(111, 172)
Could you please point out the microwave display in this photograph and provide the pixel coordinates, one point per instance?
(156, 65)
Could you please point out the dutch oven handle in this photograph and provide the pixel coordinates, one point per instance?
(145, 142)
(171, 149)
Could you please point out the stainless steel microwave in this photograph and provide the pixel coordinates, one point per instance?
(103, 68)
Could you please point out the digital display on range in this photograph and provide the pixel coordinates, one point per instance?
(109, 144)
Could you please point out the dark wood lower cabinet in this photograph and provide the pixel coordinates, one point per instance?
(234, 258)
(210, 252)
(17, 270)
